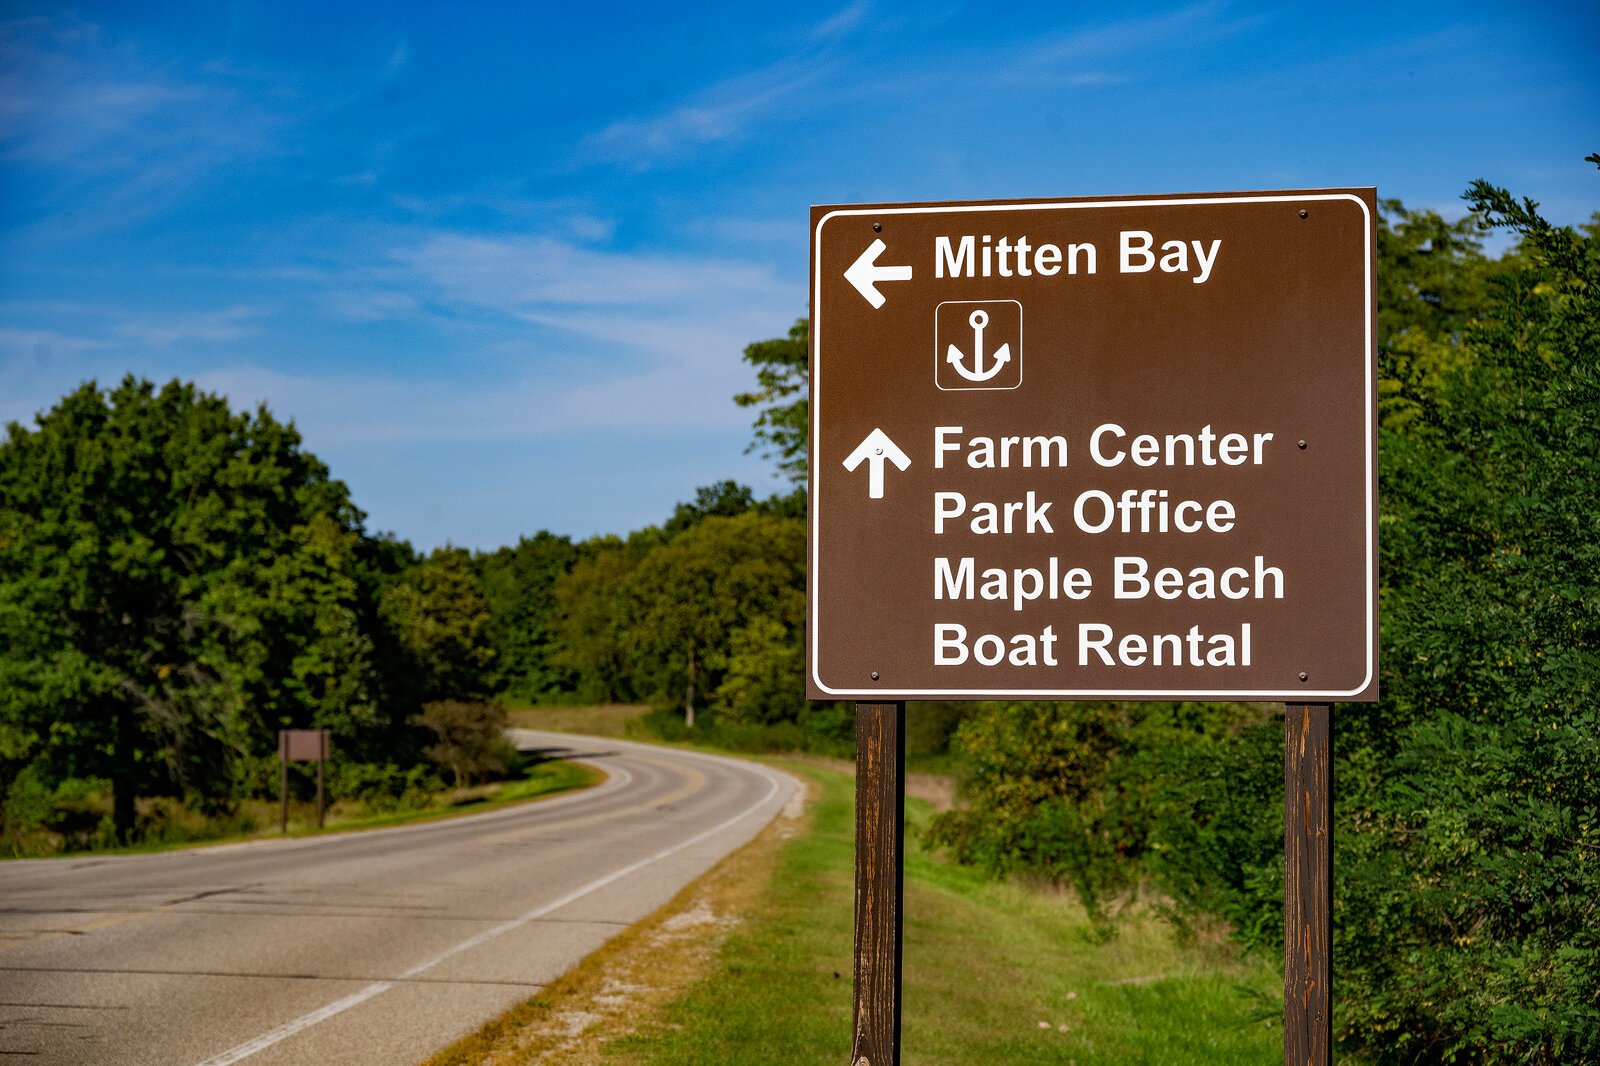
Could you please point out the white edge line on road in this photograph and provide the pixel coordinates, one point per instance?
(305, 1021)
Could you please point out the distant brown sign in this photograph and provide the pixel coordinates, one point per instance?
(1085, 449)
(303, 745)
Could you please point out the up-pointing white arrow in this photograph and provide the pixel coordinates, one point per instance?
(865, 273)
(875, 451)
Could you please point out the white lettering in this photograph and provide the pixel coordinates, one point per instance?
(949, 644)
(959, 264)
(950, 647)
(1137, 243)
(1190, 648)
(956, 585)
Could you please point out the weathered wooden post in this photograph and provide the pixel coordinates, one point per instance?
(283, 781)
(322, 766)
(880, 846)
(1307, 884)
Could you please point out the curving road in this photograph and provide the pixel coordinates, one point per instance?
(364, 948)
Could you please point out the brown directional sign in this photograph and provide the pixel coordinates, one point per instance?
(1115, 448)
(303, 745)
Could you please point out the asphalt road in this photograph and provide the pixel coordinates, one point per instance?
(362, 948)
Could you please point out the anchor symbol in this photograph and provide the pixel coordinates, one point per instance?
(978, 320)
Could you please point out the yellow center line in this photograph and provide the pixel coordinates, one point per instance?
(695, 782)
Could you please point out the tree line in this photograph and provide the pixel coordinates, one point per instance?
(178, 582)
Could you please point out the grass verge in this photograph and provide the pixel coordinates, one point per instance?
(259, 819)
(752, 964)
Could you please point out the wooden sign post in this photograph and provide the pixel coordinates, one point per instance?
(1094, 449)
(880, 873)
(301, 745)
(1307, 884)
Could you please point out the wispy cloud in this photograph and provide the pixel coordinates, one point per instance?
(1081, 57)
(93, 124)
(582, 339)
(523, 277)
(211, 327)
(721, 112)
(47, 347)
(732, 107)
(841, 23)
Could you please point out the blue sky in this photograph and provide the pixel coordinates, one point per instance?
(499, 262)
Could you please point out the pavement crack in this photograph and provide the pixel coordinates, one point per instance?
(64, 1006)
(207, 894)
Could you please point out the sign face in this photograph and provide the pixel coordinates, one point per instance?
(303, 745)
(1094, 449)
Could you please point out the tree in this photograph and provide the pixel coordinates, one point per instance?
(783, 378)
(590, 622)
(764, 679)
(469, 740)
(518, 583)
(1469, 810)
(722, 500)
(155, 553)
(442, 622)
(1433, 282)
(690, 595)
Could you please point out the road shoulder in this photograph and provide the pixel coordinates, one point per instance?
(626, 985)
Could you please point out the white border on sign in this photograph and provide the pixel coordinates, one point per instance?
(816, 468)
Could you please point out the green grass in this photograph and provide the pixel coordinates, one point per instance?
(259, 820)
(985, 963)
(542, 779)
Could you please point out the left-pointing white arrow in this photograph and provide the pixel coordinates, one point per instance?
(865, 273)
(875, 451)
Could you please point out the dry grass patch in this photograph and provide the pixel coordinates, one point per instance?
(600, 720)
(939, 790)
(626, 984)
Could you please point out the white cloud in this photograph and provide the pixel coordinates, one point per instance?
(721, 112)
(579, 338)
(842, 23)
(215, 327)
(94, 123)
(520, 276)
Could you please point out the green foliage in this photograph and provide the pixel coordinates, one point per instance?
(175, 581)
(28, 803)
(382, 787)
(1105, 795)
(1433, 280)
(441, 620)
(783, 379)
(589, 624)
(687, 599)
(518, 585)
(722, 500)
(764, 680)
(469, 740)
(1469, 847)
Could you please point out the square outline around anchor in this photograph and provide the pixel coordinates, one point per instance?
(941, 345)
